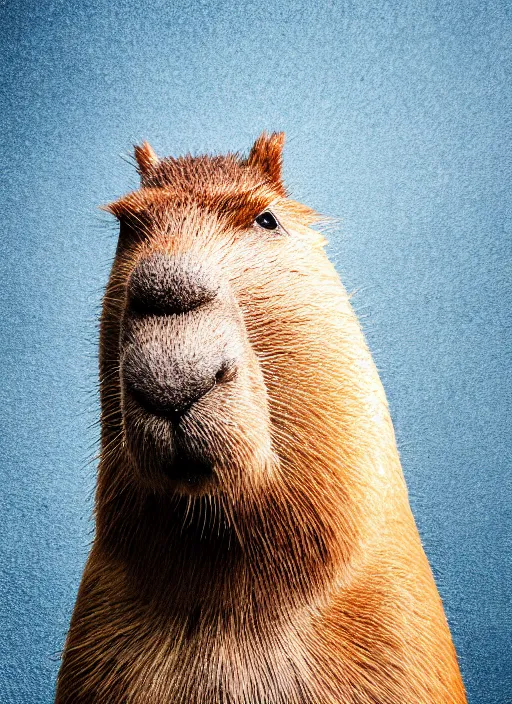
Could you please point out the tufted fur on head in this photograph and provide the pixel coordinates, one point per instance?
(292, 573)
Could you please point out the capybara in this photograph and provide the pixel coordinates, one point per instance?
(254, 541)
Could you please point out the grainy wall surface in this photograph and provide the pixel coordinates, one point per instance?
(398, 123)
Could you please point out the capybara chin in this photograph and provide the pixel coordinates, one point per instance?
(254, 541)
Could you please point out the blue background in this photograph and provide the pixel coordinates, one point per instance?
(398, 123)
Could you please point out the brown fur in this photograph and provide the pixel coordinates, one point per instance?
(296, 575)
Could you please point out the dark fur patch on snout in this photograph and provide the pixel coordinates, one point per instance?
(164, 285)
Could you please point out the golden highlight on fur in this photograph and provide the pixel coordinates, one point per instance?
(290, 571)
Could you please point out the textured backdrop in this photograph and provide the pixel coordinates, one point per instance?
(398, 124)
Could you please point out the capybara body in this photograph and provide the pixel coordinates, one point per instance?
(254, 541)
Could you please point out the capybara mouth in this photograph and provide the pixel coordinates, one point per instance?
(190, 470)
(162, 445)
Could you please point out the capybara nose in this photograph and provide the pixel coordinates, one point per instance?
(169, 385)
(177, 347)
(164, 285)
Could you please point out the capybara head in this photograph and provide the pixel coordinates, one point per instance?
(227, 363)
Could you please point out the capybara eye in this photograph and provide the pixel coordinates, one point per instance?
(267, 221)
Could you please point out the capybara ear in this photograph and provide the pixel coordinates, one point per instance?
(146, 157)
(267, 156)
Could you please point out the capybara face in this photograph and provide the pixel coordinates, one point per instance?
(216, 331)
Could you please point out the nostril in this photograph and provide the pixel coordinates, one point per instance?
(226, 373)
